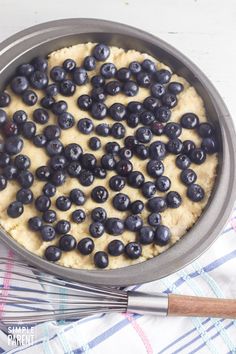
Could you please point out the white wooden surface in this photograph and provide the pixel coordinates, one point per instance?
(204, 30)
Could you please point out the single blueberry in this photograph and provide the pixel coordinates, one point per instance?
(198, 156)
(59, 107)
(57, 74)
(38, 80)
(157, 150)
(209, 145)
(54, 147)
(69, 65)
(124, 167)
(101, 52)
(143, 79)
(146, 235)
(112, 88)
(155, 168)
(154, 219)
(205, 130)
(58, 162)
(135, 67)
(47, 102)
(89, 63)
(3, 182)
(117, 183)
(133, 222)
(99, 194)
(174, 146)
(98, 94)
(162, 76)
(67, 243)
(96, 229)
(137, 207)
(13, 145)
(97, 81)
(86, 178)
(19, 84)
(162, 235)
(133, 250)
(99, 214)
(63, 203)
(188, 146)
(39, 140)
(143, 135)
(108, 162)
(147, 117)
(156, 204)
(141, 151)
(15, 209)
(157, 90)
(123, 74)
(101, 259)
(112, 147)
(5, 99)
(118, 131)
(163, 184)
(133, 120)
(85, 246)
(52, 132)
(49, 189)
(28, 130)
(195, 192)
(183, 162)
(40, 63)
(73, 152)
(130, 88)
(175, 87)
(148, 189)
(135, 179)
(29, 97)
(66, 120)
(42, 203)
(117, 111)
(41, 116)
(74, 168)
(58, 178)
(62, 227)
(189, 121)
(52, 253)
(115, 248)
(173, 199)
(98, 110)
(108, 70)
(35, 223)
(162, 114)
(121, 201)
(47, 232)
(49, 216)
(94, 143)
(102, 129)
(77, 196)
(43, 173)
(25, 178)
(85, 126)
(80, 76)
(114, 226)
(67, 88)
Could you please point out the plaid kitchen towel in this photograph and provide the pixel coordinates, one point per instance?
(213, 274)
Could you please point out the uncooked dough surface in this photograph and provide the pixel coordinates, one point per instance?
(178, 220)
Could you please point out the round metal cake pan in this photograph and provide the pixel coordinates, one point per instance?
(47, 37)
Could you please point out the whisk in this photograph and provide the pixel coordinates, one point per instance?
(29, 296)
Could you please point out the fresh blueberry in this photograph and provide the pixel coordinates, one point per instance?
(101, 259)
(188, 177)
(24, 195)
(59, 107)
(133, 120)
(162, 235)
(80, 76)
(19, 84)
(130, 142)
(117, 183)
(52, 132)
(135, 107)
(47, 102)
(118, 131)
(35, 223)
(10, 128)
(74, 168)
(112, 147)
(52, 253)
(108, 70)
(123, 74)
(115, 248)
(5, 99)
(29, 97)
(41, 116)
(147, 117)
(77, 196)
(155, 168)
(52, 90)
(58, 162)
(169, 100)
(175, 87)
(25, 178)
(156, 204)
(62, 227)
(146, 235)
(154, 219)
(151, 103)
(86, 178)
(98, 94)
(39, 80)
(13, 145)
(15, 209)
(49, 216)
(3, 182)
(98, 110)
(10, 172)
(143, 79)
(100, 172)
(137, 207)
(135, 67)
(49, 189)
(25, 70)
(28, 130)
(148, 189)
(163, 183)
(209, 145)
(85, 246)
(205, 130)
(102, 129)
(135, 179)
(69, 65)
(47, 232)
(198, 156)
(173, 199)
(58, 178)
(183, 162)
(63, 203)
(162, 114)
(121, 202)
(66, 120)
(162, 76)
(188, 146)
(157, 150)
(101, 52)
(57, 74)
(125, 153)
(114, 226)
(94, 143)
(67, 243)
(124, 167)
(112, 88)
(85, 125)
(88, 161)
(67, 88)
(42, 203)
(97, 81)
(3, 117)
(130, 88)
(195, 192)
(108, 162)
(43, 173)
(99, 215)
(133, 250)
(54, 147)
(133, 222)
(99, 194)
(189, 121)
(96, 229)
(4, 159)
(141, 151)
(157, 90)
(117, 111)
(73, 152)
(172, 130)
(174, 146)
(89, 63)
(143, 135)
(149, 66)
(40, 63)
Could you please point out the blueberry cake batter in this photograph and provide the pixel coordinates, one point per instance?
(106, 159)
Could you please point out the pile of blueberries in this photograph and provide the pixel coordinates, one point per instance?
(152, 116)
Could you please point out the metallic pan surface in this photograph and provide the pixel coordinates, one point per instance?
(43, 39)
